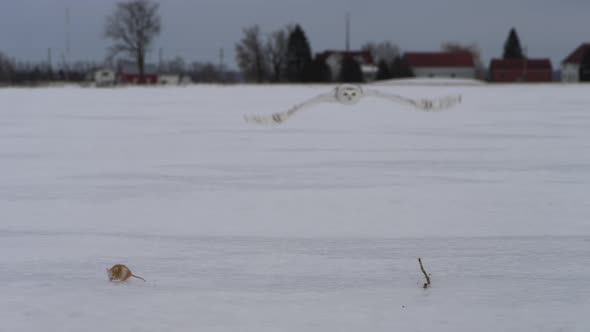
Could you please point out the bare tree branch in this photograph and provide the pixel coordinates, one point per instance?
(382, 51)
(427, 283)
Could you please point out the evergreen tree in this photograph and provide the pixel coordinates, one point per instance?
(298, 56)
(383, 72)
(319, 71)
(400, 68)
(350, 71)
(585, 67)
(512, 48)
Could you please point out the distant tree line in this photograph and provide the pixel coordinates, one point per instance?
(282, 56)
(390, 63)
(29, 73)
(285, 55)
(199, 72)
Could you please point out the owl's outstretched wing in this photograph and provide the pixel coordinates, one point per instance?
(277, 118)
(428, 105)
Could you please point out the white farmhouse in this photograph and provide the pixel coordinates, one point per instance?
(570, 66)
(104, 77)
(441, 64)
(169, 79)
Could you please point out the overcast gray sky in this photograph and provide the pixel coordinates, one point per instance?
(196, 30)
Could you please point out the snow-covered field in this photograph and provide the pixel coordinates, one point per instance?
(313, 225)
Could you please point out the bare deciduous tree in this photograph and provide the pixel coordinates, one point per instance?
(174, 66)
(251, 55)
(382, 51)
(133, 27)
(206, 72)
(470, 48)
(276, 48)
(6, 68)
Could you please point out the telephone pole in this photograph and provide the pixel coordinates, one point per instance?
(49, 57)
(347, 31)
(221, 56)
(526, 60)
(67, 33)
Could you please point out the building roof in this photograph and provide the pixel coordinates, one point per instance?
(439, 59)
(131, 68)
(577, 55)
(365, 55)
(519, 64)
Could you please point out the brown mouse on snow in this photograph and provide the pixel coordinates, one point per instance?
(120, 272)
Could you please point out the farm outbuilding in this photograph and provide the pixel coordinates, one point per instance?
(521, 70)
(441, 64)
(571, 65)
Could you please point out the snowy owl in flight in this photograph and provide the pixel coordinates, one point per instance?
(349, 94)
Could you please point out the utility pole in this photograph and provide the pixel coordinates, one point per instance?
(49, 57)
(525, 64)
(347, 31)
(66, 56)
(160, 58)
(67, 32)
(49, 66)
(221, 56)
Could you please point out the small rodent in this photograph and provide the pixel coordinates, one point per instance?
(120, 272)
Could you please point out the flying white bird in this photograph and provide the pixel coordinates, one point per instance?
(349, 94)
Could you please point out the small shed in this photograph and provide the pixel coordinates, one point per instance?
(104, 77)
(129, 73)
(169, 79)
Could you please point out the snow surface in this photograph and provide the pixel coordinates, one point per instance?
(313, 225)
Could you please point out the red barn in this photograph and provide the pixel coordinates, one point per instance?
(129, 74)
(521, 70)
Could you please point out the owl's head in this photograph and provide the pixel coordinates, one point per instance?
(348, 94)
